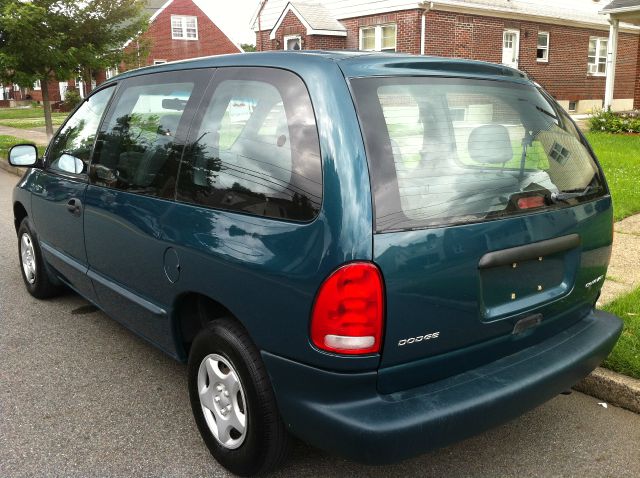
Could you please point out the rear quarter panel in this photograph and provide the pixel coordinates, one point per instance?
(265, 271)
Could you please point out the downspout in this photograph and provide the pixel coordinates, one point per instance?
(262, 3)
(426, 7)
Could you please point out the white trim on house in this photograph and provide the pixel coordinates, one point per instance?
(545, 59)
(184, 29)
(286, 38)
(305, 23)
(159, 11)
(634, 8)
(378, 36)
(600, 54)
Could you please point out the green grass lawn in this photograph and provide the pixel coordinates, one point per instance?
(7, 141)
(28, 118)
(619, 156)
(625, 357)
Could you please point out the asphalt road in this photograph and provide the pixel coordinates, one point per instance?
(82, 396)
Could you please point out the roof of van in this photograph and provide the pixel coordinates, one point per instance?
(352, 63)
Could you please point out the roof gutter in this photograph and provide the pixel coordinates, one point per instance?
(606, 11)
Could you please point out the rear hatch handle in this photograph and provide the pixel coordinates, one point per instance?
(529, 251)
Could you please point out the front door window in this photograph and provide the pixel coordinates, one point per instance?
(70, 151)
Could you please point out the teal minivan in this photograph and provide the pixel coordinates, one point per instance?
(377, 254)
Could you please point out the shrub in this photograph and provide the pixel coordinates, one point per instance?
(610, 122)
(71, 99)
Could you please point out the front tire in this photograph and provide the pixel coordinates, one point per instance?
(33, 268)
(233, 402)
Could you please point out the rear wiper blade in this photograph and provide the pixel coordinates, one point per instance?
(566, 195)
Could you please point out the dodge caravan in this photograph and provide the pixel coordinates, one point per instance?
(377, 254)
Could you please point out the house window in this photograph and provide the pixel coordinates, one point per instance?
(184, 28)
(598, 56)
(542, 52)
(37, 85)
(159, 62)
(292, 42)
(573, 106)
(378, 38)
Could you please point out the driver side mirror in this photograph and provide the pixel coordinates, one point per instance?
(23, 155)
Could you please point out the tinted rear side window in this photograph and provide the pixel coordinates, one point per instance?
(254, 147)
(139, 145)
(447, 151)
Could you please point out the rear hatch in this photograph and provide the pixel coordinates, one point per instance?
(493, 222)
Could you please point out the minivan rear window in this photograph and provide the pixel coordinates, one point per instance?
(450, 151)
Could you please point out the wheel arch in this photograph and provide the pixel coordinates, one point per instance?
(19, 213)
(191, 312)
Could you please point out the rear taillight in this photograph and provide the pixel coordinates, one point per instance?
(347, 316)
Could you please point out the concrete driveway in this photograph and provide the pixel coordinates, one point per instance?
(82, 396)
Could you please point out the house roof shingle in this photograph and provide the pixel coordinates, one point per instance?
(318, 16)
(152, 6)
(622, 4)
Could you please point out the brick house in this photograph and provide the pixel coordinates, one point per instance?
(178, 30)
(561, 45)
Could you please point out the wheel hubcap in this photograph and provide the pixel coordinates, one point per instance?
(28, 258)
(222, 400)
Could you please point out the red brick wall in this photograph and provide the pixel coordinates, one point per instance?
(211, 40)
(636, 102)
(407, 33)
(480, 37)
(54, 92)
(565, 75)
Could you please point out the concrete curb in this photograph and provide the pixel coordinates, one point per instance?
(10, 169)
(612, 388)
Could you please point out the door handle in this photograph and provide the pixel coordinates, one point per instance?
(74, 206)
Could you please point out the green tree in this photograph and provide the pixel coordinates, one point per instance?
(48, 40)
(101, 29)
(34, 46)
(248, 47)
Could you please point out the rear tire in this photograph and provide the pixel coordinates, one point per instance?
(33, 268)
(226, 370)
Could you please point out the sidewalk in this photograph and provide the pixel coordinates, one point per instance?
(38, 137)
(623, 274)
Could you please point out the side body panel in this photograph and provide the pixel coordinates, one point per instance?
(61, 232)
(265, 271)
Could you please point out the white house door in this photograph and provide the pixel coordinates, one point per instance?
(63, 85)
(510, 48)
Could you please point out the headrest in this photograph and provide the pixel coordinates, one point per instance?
(490, 143)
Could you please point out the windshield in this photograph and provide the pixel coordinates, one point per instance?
(448, 151)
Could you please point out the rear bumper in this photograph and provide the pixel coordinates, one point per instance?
(344, 413)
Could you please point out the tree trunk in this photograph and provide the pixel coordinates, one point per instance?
(44, 83)
(86, 82)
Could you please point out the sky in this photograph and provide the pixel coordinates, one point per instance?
(232, 16)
